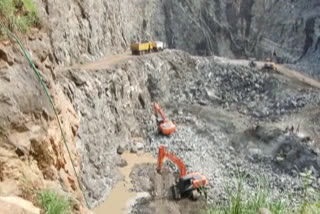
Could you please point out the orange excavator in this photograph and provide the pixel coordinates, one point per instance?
(167, 127)
(187, 185)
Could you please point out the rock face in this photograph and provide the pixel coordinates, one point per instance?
(234, 29)
(32, 151)
(113, 107)
(16, 205)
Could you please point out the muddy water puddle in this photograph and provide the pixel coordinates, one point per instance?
(116, 203)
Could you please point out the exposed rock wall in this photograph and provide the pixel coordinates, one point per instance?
(80, 30)
(113, 106)
(32, 153)
(17, 205)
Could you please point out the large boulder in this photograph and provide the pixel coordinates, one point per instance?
(17, 205)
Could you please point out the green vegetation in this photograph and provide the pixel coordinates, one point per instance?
(53, 203)
(18, 15)
(309, 206)
(243, 202)
(204, 192)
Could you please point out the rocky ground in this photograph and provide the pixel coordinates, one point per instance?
(221, 131)
(228, 118)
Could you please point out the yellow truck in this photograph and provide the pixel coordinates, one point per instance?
(146, 47)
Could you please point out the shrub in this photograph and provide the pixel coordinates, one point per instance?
(18, 15)
(242, 202)
(53, 203)
(308, 205)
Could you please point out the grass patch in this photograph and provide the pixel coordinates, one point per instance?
(53, 203)
(18, 15)
(311, 198)
(241, 201)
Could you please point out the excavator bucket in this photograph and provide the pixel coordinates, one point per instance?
(167, 128)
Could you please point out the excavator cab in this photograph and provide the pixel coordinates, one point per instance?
(187, 185)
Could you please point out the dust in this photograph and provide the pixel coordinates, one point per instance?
(121, 193)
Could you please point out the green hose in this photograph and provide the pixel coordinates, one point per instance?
(50, 100)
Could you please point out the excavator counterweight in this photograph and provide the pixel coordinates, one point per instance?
(187, 185)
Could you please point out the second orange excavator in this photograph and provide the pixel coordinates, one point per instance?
(187, 185)
(167, 127)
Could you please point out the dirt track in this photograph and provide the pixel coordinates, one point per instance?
(120, 58)
(111, 60)
(280, 68)
(102, 63)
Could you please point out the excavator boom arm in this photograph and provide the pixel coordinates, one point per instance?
(157, 110)
(163, 154)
